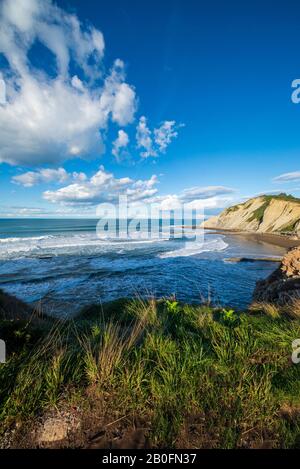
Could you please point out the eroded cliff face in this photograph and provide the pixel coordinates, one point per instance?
(283, 286)
(265, 214)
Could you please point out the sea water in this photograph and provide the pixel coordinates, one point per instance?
(63, 265)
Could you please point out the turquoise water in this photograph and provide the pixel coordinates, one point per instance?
(64, 265)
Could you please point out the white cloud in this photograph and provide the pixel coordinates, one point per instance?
(21, 13)
(118, 98)
(50, 119)
(143, 189)
(120, 143)
(153, 143)
(198, 198)
(199, 193)
(16, 212)
(165, 134)
(144, 138)
(24, 21)
(47, 175)
(42, 212)
(216, 202)
(102, 187)
(288, 177)
(79, 177)
(2, 91)
(77, 83)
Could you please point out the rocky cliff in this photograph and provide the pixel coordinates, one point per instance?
(283, 286)
(265, 214)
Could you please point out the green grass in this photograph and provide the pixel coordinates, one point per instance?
(283, 196)
(234, 208)
(290, 228)
(200, 377)
(259, 213)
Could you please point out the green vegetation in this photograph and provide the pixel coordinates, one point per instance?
(191, 376)
(291, 228)
(258, 214)
(234, 208)
(283, 196)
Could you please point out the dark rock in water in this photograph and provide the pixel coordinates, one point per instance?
(252, 259)
(283, 285)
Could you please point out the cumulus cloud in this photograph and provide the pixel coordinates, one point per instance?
(31, 178)
(79, 177)
(165, 134)
(118, 98)
(152, 143)
(45, 118)
(144, 138)
(25, 21)
(103, 187)
(120, 143)
(47, 175)
(288, 177)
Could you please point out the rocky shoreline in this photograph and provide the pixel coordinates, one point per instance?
(283, 286)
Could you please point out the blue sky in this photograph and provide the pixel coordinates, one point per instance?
(168, 101)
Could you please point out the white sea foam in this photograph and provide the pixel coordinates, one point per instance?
(21, 240)
(66, 244)
(89, 243)
(193, 248)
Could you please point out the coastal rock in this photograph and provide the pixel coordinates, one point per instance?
(291, 263)
(283, 285)
(53, 429)
(57, 428)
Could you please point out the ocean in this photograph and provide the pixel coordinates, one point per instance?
(63, 265)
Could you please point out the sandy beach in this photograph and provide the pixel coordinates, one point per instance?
(270, 238)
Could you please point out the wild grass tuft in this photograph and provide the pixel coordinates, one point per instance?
(269, 309)
(201, 377)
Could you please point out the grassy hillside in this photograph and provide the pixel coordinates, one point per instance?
(278, 214)
(259, 213)
(267, 199)
(283, 196)
(171, 375)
